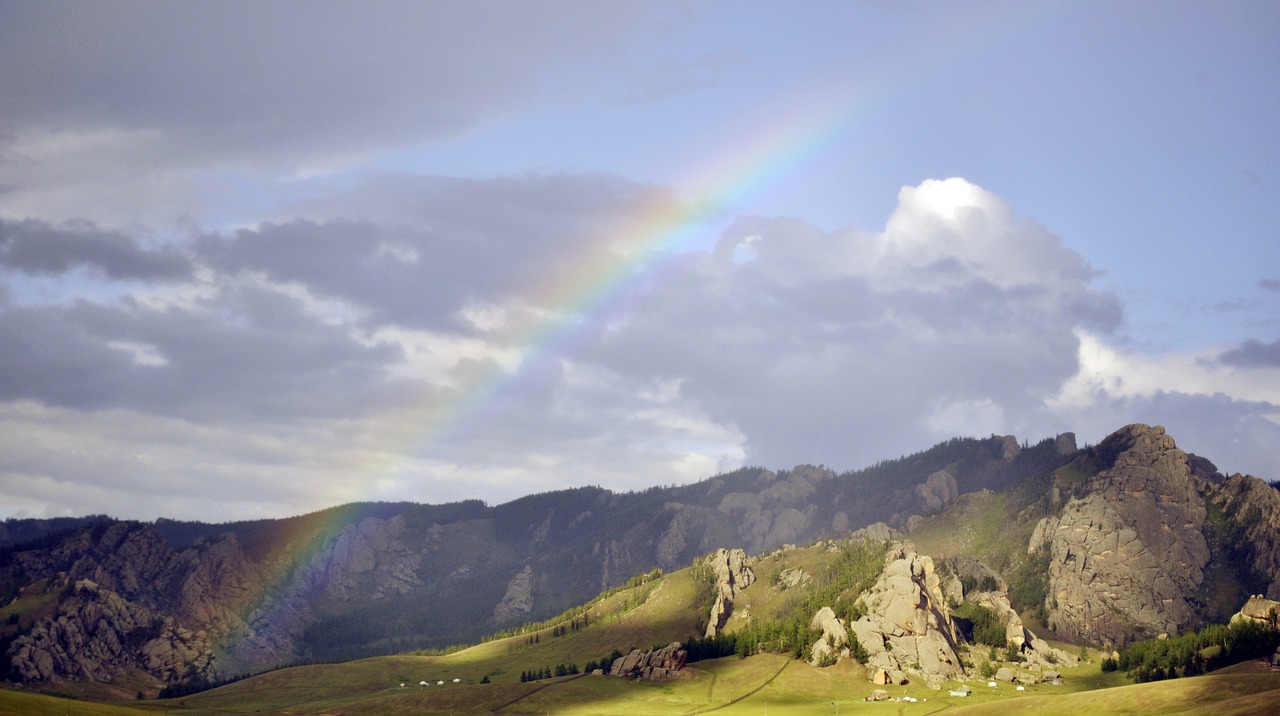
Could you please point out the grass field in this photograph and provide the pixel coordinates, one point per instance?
(765, 684)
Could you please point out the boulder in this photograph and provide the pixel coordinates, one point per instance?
(834, 635)
(651, 665)
(1258, 609)
(1004, 673)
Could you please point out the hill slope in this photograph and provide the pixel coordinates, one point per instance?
(167, 602)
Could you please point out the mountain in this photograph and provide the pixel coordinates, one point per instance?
(1108, 543)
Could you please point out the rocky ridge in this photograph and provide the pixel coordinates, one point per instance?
(89, 640)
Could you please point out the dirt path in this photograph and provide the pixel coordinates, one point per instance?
(750, 693)
(535, 690)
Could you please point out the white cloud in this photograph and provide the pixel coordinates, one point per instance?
(1109, 372)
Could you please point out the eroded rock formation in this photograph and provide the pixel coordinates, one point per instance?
(731, 570)
(908, 628)
(1126, 558)
(651, 665)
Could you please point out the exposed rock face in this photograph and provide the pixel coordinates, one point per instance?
(367, 558)
(938, 491)
(1254, 506)
(780, 513)
(1065, 444)
(908, 628)
(834, 636)
(651, 665)
(89, 640)
(732, 571)
(518, 601)
(1127, 557)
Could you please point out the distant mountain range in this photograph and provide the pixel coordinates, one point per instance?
(1104, 544)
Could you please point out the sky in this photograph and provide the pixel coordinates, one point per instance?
(259, 259)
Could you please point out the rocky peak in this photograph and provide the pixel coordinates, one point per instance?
(1009, 447)
(1127, 558)
(1065, 443)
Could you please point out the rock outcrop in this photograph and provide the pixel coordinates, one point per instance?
(651, 665)
(1033, 650)
(876, 532)
(1126, 559)
(907, 628)
(1254, 508)
(89, 640)
(1259, 609)
(938, 491)
(834, 637)
(518, 600)
(731, 571)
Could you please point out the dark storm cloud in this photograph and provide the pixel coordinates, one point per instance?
(36, 247)
(255, 353)
(253, 80)
(447, 243)
(1253, 353)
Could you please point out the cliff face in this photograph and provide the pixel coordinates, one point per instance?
(1127, 558)
(1252, 509)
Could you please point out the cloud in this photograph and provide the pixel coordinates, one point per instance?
(245, 350)
(36, 247)
(1253, 353)
(847, 346)
(1269, 284)
(443, 248)
(425, 338)
(182, 94)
